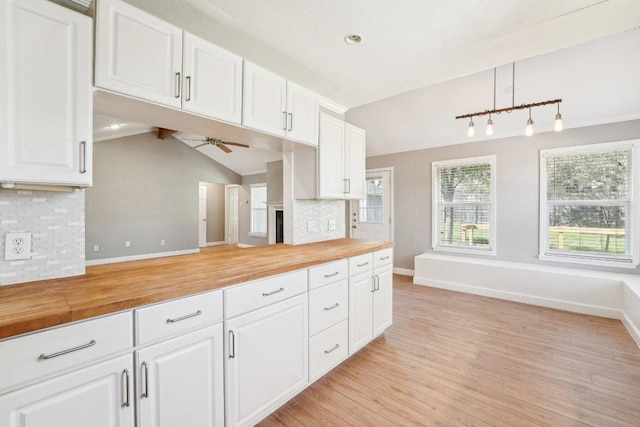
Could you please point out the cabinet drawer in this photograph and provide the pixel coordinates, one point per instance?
(173, 317)
(360, 264)
(328, 306)
(382, 257)
(328, 349)
(328, 273)
(260, 293)
(44, 353)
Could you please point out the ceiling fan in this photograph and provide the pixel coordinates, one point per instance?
(216, 143)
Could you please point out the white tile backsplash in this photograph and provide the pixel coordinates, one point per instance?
(56, 223)
(320, 211)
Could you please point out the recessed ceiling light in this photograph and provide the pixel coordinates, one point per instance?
(114, 126)
(352, 39)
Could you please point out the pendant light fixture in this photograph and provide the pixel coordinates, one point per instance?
(558, 126)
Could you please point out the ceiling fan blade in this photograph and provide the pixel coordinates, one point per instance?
(200, 145)
(236, 144)
(191, 139)
(224, 148)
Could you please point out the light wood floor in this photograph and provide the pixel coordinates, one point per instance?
(458, 360)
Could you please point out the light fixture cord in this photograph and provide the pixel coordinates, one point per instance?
(494, 88)
(513, 85)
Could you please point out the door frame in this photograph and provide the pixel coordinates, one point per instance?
(391, 202)
(227, 222)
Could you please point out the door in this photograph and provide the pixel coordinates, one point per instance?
(360, 311)
(302, 114)
(231, 214)
(180, 381)
(212, 80)
(355, 162)
(371, 217)
(264, 100)
(138, 54)
(266, 359)
(202, 215)
(331, 158)
(98, 396)
(45, 94)
(383, 299)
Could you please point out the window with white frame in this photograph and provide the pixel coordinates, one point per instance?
(258, 210)
(588, 204)
(464, 205)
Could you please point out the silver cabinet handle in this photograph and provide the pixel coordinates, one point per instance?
(145, 373)
(377, 282)
(83, 156)
(332, 274)
(232, 345)
(290, 121)
(332, 349)
(178, 82)
(124, 382)
(384, 257)
(188, 316)
(284, 120)
(266, 294)
(373, 284)
(188, 98)
(70, 350)
(336, 305)
(362, 265)
(348, 185)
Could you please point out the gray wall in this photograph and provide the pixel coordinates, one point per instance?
(215, 212)
(274, 181)
(146, 190)
(244, 213)
(517, 179)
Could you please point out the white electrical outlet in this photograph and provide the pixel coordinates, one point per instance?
(127, 244)
(17, 246)
(332, 224)
(162, 242)
(312, 227)
(96, 248)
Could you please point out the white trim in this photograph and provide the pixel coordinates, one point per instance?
(403, 271)
(252, 234)
(633, 329)
(332, 106)
(244, 245)
(123, 134)
(578, 258)
(216, 243)
(258, 172)
(140, 257)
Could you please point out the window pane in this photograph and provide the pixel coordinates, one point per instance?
(592, 229)
(259, 209)
(465, 226)
(371, 209)
(469, 183)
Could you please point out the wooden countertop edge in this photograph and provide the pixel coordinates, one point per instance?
(31, 322)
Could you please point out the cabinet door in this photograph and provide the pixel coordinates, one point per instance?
(302, 114)
(264, 100)
(180, 381)
(331, 184)
(212, 80)
(355, 168)
(360, 311)
(383, 299)
(45, 94)
(138, 54)
(98, 396)
(266, 360)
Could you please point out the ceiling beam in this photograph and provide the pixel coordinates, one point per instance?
(163, 133)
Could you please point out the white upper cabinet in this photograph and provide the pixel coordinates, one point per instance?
(212, 80)
(279, 107)
(354, 164)
(45, 94)
(331, 158)
(138, 54)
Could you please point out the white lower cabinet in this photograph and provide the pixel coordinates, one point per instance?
(100, 395)
(382, 299)
(266, 359)
(328, 349)
(361, 288)
(179, 382)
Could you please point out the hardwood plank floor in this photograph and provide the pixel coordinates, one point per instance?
(454, 359)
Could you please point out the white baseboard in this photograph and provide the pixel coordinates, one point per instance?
(633, 330)
(216, 243)
(140, 257)
(244, 245)
(403, 271)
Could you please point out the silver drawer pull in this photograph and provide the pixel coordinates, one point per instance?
(336, 305)
(331, 275)
(266, 294)
(188, 316)
(71, 350)
(362, 265)
(384, 257)
(124, 382)
(332, 349)
(145, 372)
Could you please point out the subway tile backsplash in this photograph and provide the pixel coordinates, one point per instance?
(56, 223)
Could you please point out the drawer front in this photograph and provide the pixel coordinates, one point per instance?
(260, 293)
(174, 317)
(328, 349)
(360, 264)
(382, 257)
(45, 353)
(328, 306)
(328, 273)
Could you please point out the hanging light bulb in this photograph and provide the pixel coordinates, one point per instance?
(471, 131)
(557, 126)
(529, 130)
(489, 130)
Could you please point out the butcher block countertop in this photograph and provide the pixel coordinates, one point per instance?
(111, 288)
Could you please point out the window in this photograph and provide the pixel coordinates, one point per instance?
(463, 205)
(258, 210)
(371, 207)
(588, 213)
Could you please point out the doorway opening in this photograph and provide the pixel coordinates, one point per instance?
(372, 217)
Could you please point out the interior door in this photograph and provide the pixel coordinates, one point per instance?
(371, 218)
(231, 214)
(202, 216)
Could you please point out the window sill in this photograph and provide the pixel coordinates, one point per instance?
(489, 252)
(257, 234)
(574, 259)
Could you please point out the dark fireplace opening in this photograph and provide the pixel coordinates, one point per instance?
(279, 226)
